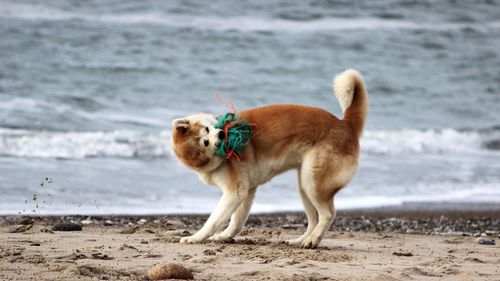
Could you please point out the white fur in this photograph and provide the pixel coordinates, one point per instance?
(343, 86)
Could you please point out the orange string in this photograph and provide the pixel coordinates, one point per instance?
(232, 108)
(229, 106)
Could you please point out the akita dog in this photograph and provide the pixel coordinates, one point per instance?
(322, 148)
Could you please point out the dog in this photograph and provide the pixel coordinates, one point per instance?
(321, 147)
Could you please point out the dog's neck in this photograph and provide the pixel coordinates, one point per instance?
(207, 173)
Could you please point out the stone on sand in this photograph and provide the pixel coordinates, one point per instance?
(169, 271)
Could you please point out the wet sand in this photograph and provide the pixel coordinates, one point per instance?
(380, 245)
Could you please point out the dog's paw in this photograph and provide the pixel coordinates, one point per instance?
(220, 238)
(294, 242)
(309, 243)
(189, 240)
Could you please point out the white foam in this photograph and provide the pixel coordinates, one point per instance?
(434, 192)
(239, 23)
(39, 144)
(424, 141)
(135, 144)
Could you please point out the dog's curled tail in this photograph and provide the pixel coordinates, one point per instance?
(350, 90)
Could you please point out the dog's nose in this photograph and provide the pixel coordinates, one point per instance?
(221, 135)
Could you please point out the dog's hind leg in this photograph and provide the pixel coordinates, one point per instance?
(326, 215)
(238, 219)
(311, 213)
(317, 176)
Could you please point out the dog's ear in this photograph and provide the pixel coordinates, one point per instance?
(181, 124)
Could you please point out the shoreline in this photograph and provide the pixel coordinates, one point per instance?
(412, 218)
(407, 209)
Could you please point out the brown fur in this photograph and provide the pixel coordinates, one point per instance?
(323, 148)
(187, 148)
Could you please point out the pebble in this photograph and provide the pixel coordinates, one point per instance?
(403, 254)
(104, 277)
(109, 222)
(130, 230)
(144, 242)
(169, 271)
(86, 221)
(485, 241)
(35, 244)
(177, 232)
(292, 226)
(209, 252)
(142, 221)
(67, 226)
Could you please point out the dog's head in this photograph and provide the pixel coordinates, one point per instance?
(195, 141)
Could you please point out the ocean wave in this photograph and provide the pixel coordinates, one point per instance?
(134, 144)
(238, 23)
(481, 192)
(428, 141)
(77, 145)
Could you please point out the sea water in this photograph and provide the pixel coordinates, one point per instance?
(88, 90)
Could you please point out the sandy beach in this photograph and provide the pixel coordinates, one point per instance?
(383, 244)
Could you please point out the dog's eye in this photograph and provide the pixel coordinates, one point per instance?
(207, 129)
(205, 142)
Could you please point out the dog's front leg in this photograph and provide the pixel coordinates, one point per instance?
(238, 219)
(228, 203)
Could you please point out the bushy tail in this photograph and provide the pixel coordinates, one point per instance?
(350, 90)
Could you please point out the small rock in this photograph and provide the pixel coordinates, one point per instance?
(178, 232)
(104, 277)
(125, 246)
(67, 226)
(144, 242)
(485, 241)
(86, 221)
(209, 252)
(175, 223)
(169, 271)
(101, 256)
(108, 223)
(292, 226)
(35, 244)
(477, 234)
(402, 254)
(142, 221)
(130, 230)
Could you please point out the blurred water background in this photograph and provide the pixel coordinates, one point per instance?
(88, 89)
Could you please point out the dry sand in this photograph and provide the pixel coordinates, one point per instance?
(104, 253)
